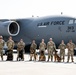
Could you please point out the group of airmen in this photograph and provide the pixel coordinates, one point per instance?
(51, 48)
(10, 44)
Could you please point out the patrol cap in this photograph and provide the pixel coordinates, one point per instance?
(70, 40)
(50, 38)
(33, 40)
(1, 37)
(10, 37)
(21, 39)
(42, 39)
(62, 40)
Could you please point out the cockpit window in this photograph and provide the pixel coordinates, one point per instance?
(70, 21)
(75, 21)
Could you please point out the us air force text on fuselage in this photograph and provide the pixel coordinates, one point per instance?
(51, 23)
(69, 28)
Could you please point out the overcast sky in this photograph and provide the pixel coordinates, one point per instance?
(27, 8)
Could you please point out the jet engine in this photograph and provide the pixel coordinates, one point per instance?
(9, 28)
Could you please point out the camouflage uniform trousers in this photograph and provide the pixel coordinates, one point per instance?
(10, 54)
(62, 54)
(20, 55)
(1, 54)
(50, 53)
(70, 53)
(33, 55)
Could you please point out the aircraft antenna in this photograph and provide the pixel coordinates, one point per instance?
(61, 13)
(32, 15)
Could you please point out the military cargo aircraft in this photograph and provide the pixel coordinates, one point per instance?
(56, 27)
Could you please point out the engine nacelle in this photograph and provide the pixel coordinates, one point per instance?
(11, 28)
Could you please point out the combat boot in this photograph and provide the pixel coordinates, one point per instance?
(67, 61)
(35, 56)
(48, 60)
(17, 58)
(63, 59)
(51, 58)
(2, 58)
(72, 60)
(30, 60)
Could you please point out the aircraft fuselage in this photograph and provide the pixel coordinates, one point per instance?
(56, 27)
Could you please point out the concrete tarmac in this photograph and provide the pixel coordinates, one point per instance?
(27, 67)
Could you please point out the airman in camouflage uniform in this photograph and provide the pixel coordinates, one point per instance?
(62, 48)
(20, 50)
(70, 47)
(33, 50)
(10, 45)
(42, 47)
(2, 42)
(51, 48)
